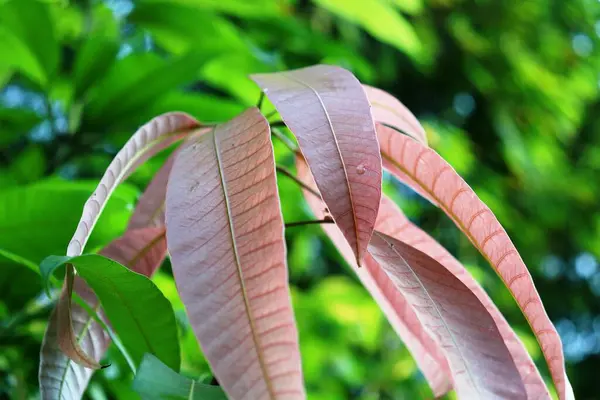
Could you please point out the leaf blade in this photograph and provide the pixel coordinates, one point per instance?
(401, 316)
(73, 378)
(243, 226)
(155, 381)
(394, 223)
(403, 157)
(476, 352)
(327, 109)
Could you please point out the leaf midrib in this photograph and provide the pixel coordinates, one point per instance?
(435, 307)
(253, 331)
(468, 234)
(337, 146)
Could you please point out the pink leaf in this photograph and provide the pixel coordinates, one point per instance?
(394, 223)
(142, 250)
(401, 316)
(481, 365)
(388, 110)
(156, 135)
(423, 169)
(225, 237)
(328, 111)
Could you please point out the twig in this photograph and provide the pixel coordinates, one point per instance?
(285, 140)
(260, 100)
(293, 177)
(269, 115)
(326, 220)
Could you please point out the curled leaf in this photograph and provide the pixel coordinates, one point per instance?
(387, 110)
(423, 169)
(328, 111)
(225, 238)
(481, 365)
(394, 223)
(403, 319)
(61, 378)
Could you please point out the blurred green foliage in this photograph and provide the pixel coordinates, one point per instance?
(507, 90)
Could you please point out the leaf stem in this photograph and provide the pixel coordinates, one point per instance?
(260, 100)
(283, 170)
(326, 220)
(285, 140)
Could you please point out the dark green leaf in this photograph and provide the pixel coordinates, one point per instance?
(140, 314)
(39, 219)
(140, 80)
(31, 23)
(155, 381)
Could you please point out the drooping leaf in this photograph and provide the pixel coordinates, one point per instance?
(145, 142)
(225, 238)
(394, 223)
(426, 352)
(427, 171)
(136, 308)
(328, 111)
(59, 377)
(390, 111)
(155, 381)
(142, 250)
(150, 210)
(481, 364)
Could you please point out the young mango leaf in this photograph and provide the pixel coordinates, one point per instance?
(140, 249)
(481, 364)
(430, 173)
(58, 377)
(150, 210)
(225, 238)
(156, 135)
(403, 319)
(388, 110)
(140, 314)
(394, 223)
(328, 111)
(155, 381)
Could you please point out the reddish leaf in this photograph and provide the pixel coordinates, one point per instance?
(156, 135)
(142, 250)
(401, 316)
(328, 111)
(225, 237)
(481, 365)
(424, 169)
(394, 223)
(388, 110)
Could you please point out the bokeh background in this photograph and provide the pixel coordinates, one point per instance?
(507, 91)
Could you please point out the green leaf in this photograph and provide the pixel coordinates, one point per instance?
(15, 122)
(155, 381)
(381, 20)
(140, 80)
(260, 9)
(139, 312)
(20, 18)
(39, 219)
(95, 57)
(21, 58)
(180, 27)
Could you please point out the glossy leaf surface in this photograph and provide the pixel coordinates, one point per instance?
(328, 111)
